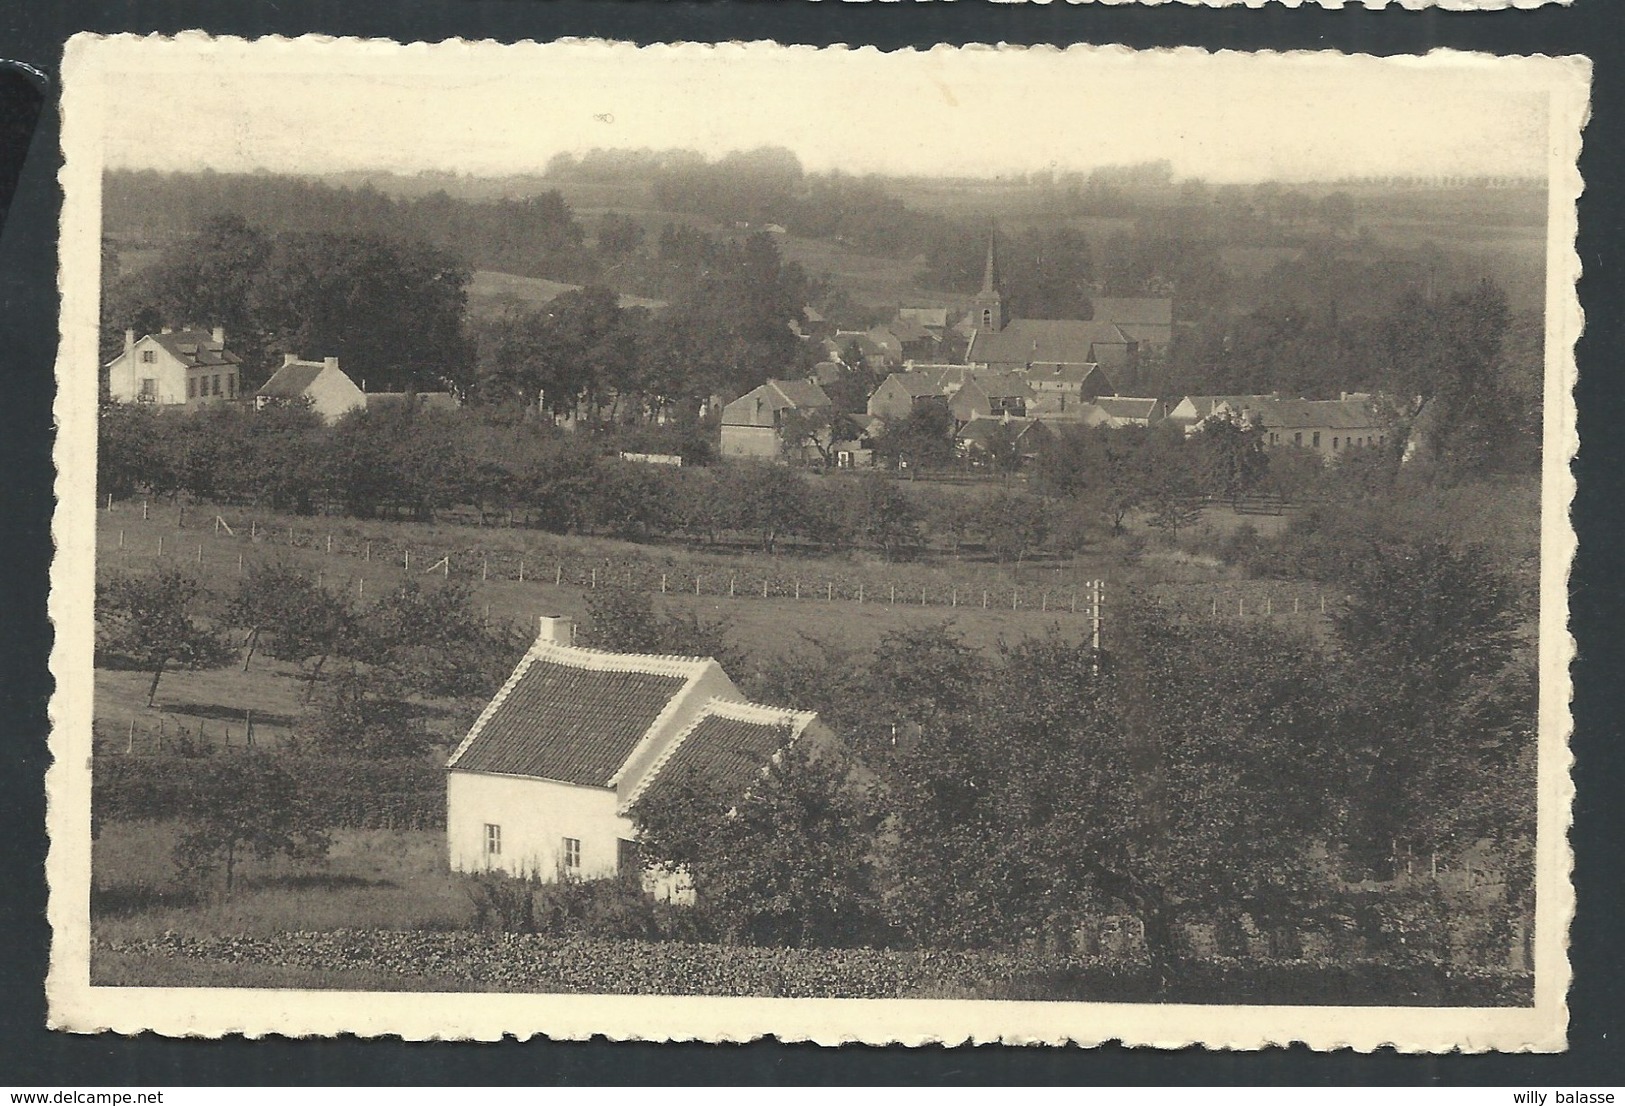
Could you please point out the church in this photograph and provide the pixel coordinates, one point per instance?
(1004, 344)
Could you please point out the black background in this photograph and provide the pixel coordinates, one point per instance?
(34, 32)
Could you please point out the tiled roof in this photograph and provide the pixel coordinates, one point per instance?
(800, 393)
(573, 715)
(1126, 407)
(729, 743)
(1030, 341)
(917, 384)
(931, 317)
(980, 430)
(1329, 414)
(999, 385)
(196, 348)
(291, 380)
(907, 330)
(1064, 373)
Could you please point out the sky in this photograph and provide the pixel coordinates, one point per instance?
(305, 106)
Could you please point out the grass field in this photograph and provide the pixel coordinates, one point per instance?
(490, 292)
(371, 879)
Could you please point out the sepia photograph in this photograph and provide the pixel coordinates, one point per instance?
(703, 542)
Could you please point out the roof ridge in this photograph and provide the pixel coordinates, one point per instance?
(606, 660)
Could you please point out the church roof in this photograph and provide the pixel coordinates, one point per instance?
(1029, 341)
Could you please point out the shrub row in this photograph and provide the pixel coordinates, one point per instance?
(533, 962)
(348, 793)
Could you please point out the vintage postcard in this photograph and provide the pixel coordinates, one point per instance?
(704, 542)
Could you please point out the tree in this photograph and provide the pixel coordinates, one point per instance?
(814, 428)
(882, 515)
(245, 804)
(431, 641)
(153, 620)
(783, 860)
(363, 713)
(1425, 631)
(1230, 456)
(923, 440)
(624, 620)
(1015, 523)
(1181, 776)
(303, 621)
(390, 310)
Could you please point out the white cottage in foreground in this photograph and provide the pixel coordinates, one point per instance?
(545, 780)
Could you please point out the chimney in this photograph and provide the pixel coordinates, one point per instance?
(331, 362)
(556, 629)
(220, 336)
(129, 342)
(289, 358)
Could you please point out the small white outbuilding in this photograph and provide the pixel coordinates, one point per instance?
(545, 781)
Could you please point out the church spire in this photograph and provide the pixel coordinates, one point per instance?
(990, 274)
(990, 311)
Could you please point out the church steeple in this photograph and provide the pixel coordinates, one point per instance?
(989, 310)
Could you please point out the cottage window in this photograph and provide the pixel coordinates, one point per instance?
(628, 858)
(572, 854)
(231, 387)
(1297, 439)
(149, 357)
(1316, 442)
(216, 385)
(493, 840)
(191, 387)
(1334, 443)
(149, 386)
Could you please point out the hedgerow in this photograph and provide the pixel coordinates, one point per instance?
(344, 793)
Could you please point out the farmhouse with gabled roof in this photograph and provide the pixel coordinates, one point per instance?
(322, 385)
(545, 782)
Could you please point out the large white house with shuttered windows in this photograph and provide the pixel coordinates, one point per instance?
(173, 368)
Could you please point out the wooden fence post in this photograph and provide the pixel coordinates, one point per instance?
(829, 593)
(521, 570)
(764, 587)
(361, 588)
(367, 556)
(330, 545)
(160, 545)
(662, 583)
(595, 579)
(199, 552)
(798, 589)
(239, 564)
(143, 510)
(558, 576)
(121, 539)
(696, 583)
(860, 591)
(485, 569)
(732, 580)
(1015, 594)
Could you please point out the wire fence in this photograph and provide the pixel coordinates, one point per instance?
(198, 539)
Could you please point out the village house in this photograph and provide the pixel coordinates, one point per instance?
(753, 424)
(900, 393)
(1115, 412)
(990, 395)
(1073, 382)
(982, 438)
(545, 783)
(321, 384)
(175, 368)
(1328, 427)
(1191, 410)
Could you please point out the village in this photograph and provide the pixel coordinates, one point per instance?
(755, 616)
